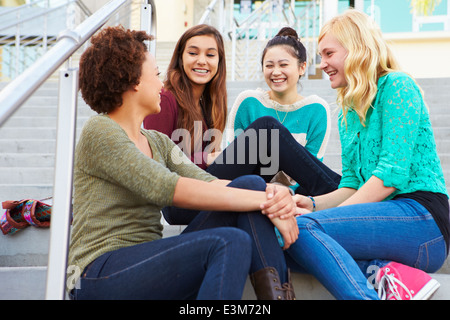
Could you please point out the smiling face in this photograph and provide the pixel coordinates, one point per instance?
(201, 59)
(282, 70)
(333, 60)
(150, 85)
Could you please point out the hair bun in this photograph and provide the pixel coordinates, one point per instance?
(288, 32)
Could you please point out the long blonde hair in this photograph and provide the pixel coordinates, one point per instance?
(369, 58)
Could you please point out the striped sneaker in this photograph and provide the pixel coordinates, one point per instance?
(396, 281)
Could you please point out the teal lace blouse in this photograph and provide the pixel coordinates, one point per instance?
(396, 144)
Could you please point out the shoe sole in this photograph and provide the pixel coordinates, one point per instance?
(427, 291)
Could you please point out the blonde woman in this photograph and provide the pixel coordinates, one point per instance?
(387, 224)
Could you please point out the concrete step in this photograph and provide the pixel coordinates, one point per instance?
(15, 133)
(24, 191)
(28, 146)
(27, 268)
(23, 283)
(30, 175)
(48, 111)
(306, 287)
(25, 248)
(18, 160)
(24, 265)
(33, 122)
(44, 133)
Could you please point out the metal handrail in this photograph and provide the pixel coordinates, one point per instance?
(255, 20)
(208, 10)
(14, 9)
(32, 17)
(79, 3)
(20, 89)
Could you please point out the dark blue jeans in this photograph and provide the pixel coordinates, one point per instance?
(210, 264)
(263, 149)
(267, 147)
(266, 252)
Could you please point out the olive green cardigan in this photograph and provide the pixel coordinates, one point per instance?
(119, 191)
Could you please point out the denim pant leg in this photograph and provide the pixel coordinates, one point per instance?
(210, 264)
(265, 148)
(179, 216)
(266, 252)
(331, 241)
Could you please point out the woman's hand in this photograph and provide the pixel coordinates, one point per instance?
(288, 229)
(304, 204)
(279, 204)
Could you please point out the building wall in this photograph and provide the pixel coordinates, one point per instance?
(174, 17)
(11, 3)
(424, 54)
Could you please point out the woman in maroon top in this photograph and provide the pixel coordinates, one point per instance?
(194, 101)
(193, 114)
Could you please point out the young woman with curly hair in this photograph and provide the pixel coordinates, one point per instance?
(389, 218)
(124, 175)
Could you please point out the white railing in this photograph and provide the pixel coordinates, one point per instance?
(28, 31)
(21, 88)
(250, 35)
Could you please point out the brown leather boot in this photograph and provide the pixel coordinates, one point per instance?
(267, 285)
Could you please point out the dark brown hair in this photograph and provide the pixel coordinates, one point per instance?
(287, 37)
(111, 66)
(214, 99)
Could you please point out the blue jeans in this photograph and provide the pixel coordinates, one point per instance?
(265, 148)
(266, 251)
(339, 245)
(210, 264)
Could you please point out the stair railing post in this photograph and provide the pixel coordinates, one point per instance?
(148, 23)
(62, 190)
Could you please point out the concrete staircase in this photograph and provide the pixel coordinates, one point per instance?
(27, 143)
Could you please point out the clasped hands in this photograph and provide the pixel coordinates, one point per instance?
(282, 208)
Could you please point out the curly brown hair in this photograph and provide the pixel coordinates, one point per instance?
(111, 66)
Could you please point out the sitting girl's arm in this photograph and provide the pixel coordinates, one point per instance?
(215, 196)
(372, 191)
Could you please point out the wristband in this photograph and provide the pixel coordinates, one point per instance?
(314, 203)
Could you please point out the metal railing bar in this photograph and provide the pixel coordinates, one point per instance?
(44, 13)
(18, 91)
(20, 7)
(62, 197)
(65, 145)
(207, 12)
(254, 14)
(84, 8)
